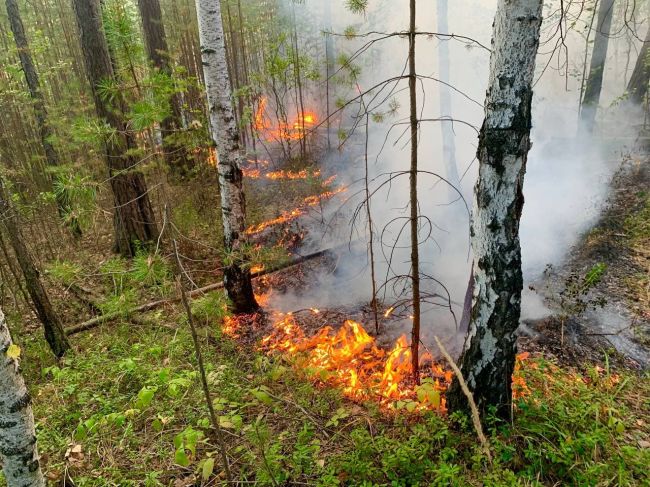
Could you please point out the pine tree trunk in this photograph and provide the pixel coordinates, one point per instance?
(415, 221)
(20, 460)
(54, 334)
(175, 154)
(591, 99)
(133, 218)
(448, 140)
(638, 84)
(237, 278)
(489, 352)
(40, 111)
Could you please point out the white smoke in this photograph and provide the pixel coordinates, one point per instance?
(565, 187)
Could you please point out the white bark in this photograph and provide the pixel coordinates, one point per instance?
(489, 352)
(223, 127)
(224, 132)
(20, 460)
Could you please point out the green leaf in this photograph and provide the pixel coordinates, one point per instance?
(145, 396)
(180, 457)
(262, 396)
(208, 468)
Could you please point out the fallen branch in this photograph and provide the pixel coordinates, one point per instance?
(98, 320)
(476, 419)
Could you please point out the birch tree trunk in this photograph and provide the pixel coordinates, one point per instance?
(448, 140)
(52, 325)
(591, 99)
(40, 111)
(175, 154)
(20, 460)
(133, 217)
(489, 352)
(637, 87)
(223, 128)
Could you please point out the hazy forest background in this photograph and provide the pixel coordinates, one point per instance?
(335, 242)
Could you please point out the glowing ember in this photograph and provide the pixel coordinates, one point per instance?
(257, 268)
(350, 358)
(287, 216)
(389, 311)
(254, 173)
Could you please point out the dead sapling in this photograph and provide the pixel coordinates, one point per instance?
(218, 433)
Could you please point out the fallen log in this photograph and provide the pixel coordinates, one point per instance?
(98, 320)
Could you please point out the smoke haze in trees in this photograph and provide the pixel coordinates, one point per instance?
(566, 182)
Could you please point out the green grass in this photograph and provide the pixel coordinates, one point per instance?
(130, 396)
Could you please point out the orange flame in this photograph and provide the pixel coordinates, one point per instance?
(287, 216)
(350, 359)
(295, 130)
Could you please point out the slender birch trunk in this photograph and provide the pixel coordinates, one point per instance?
(20, 460)
(415, 221)
(448, 140)
(594, 85)
(237, 278)
(489, 352)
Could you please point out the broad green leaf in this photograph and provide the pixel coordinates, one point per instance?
(208, 468)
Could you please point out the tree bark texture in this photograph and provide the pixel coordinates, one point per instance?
(175, 154)
(20, 460)
(591, 99)
(637, 87)
(133, 217)
(489, 352)
(237, 278)
(52, 325)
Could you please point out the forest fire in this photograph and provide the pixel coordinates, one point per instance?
(254, 173)
(288, 131)
(350, 359)
(289, 215)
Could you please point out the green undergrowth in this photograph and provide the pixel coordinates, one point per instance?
(127, 409)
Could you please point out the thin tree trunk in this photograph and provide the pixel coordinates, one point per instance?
(134, 220)
(20, 459)
(594, 85)
(637, 87)
(415, 253)
(489, 352)
(175, 154)
(448, 140)
(52, 325)
(40, 111)
(329, 65)
(237, 277)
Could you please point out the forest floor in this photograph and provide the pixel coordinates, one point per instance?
(126, 408)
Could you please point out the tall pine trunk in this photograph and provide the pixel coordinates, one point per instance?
(40, 111)
(448, 140)
(133, 217)
(20, 460)
(415, 221)
(175, 154)
(637, 87)
(489, 352)
(52, 325)
(237, 277)
(591, 99)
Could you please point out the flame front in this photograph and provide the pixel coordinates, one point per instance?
(350, 359)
